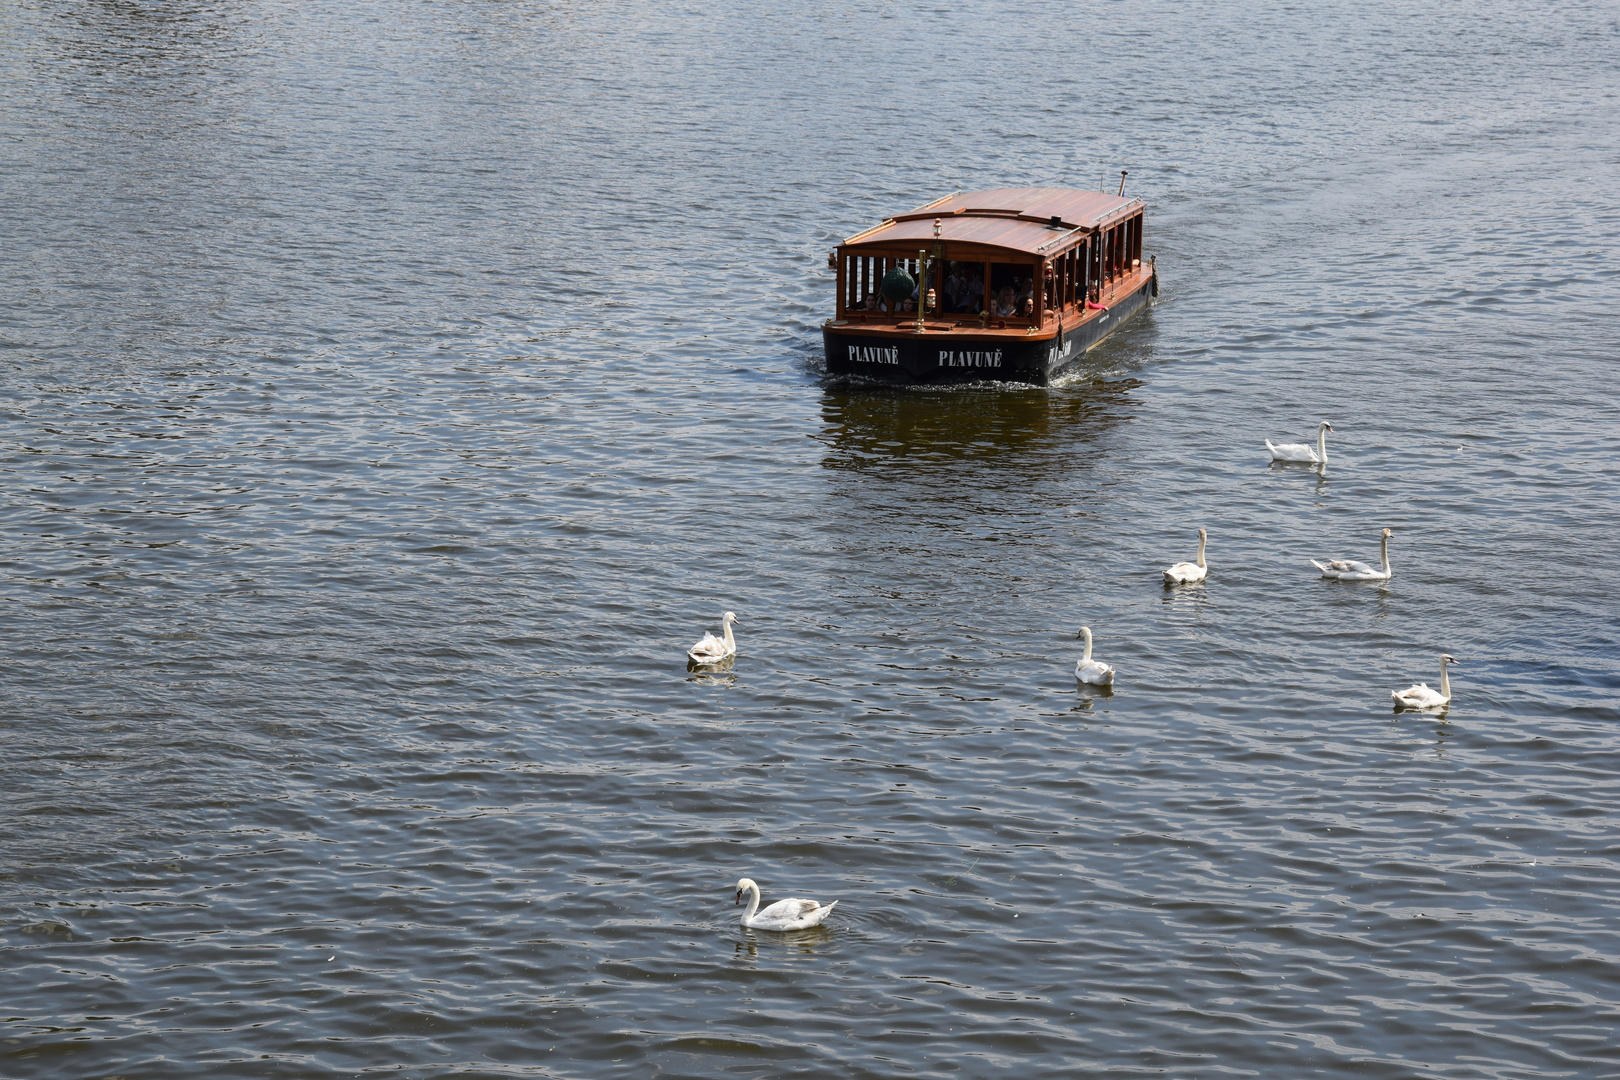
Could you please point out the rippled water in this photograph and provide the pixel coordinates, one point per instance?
(391, 392)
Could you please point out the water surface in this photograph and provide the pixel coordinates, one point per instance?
(389, 393)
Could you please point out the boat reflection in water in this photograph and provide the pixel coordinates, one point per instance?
(1010, 285)
(1035, 430)
(963, 491)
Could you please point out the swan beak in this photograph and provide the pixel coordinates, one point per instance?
(739, 898)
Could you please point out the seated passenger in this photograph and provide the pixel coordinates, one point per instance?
(1006, 303)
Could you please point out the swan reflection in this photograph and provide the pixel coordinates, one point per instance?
(800, 941)
(718, 672)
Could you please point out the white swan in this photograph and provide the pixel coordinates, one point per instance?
(784, 914)
(1350, 570)
(1089, 671)
(1298, 451)
(1187, 572)
(1420, 696)
(712, 650)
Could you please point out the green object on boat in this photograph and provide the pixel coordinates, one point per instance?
(898, 285)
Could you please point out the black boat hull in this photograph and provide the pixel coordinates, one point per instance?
(957, 356)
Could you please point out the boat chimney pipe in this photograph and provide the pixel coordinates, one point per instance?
(1122, 175)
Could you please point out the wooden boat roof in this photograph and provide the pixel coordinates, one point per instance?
(1018, 219)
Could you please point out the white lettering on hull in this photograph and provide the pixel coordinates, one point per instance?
(969, 358)
(873, 354)
(1059, 354)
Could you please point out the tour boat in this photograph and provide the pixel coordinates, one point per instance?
(1014, 284)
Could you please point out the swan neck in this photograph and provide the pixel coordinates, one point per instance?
(1086, 658)
(731, 646)
(1383, 552)
(753, 897)
(1321, 444)
(1201, 552)
(1445, 681)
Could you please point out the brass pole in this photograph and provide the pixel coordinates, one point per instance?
(922, 286)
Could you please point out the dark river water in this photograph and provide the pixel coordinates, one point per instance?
(391, 392)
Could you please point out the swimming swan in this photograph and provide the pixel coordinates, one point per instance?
(712, 650)
(1089, 671)
(1349, 570)
(1185, 572)
(1299, 451)
(784, 914)
(1420, 696)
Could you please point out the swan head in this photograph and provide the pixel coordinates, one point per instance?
(729, 617)
(1084, 634)
(1324, 426)
(1386, 534)
(1447, 658)
(1202, 535)
(743, 887)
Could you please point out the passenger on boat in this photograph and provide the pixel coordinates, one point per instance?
(874, 302)
(972, 295)
(1006, 303)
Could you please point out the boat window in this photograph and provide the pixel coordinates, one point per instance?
(909, 303)
(863, 278)
(1065, 279)
(863, 283)
(1010, 285)
(962, 292)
